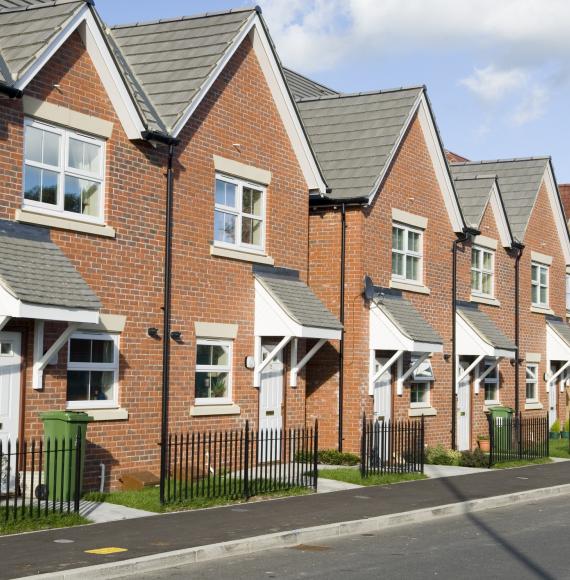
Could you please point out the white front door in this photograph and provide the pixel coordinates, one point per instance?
(463, 409)
(10, 363)
(553, 399)
(271, 403)
(382, 392)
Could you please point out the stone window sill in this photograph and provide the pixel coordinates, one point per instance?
(40, 219)
(533, 406)
(419, 411)
(409, 287)
(106, 414)
(541, 310)
(210, 410)
(220, 252)
(485, 300)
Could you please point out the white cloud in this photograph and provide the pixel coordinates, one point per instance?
(532, 107)
(492, 84)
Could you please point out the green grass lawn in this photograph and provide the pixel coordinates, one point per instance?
(353, 476)
(559, 448)
(27, 524)
(521, 463)
(148, 499)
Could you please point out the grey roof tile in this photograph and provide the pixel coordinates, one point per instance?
(519, 181)
(296, 298)
(473, 195)
(36, 271)
(354, 135)
(485, 327)
(302, 87)
(405, 316)
(560, 327)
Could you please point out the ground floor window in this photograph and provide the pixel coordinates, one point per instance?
(213, 372)
(92, 371)
(491, 383)
(531, 383)
(419, 393)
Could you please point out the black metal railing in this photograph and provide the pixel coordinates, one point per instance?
(240, 463)
(40, 477)
(392, 447)
(518, 438)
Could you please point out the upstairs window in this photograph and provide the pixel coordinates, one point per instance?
(482, 272)
(406, 253)
(539, 284)
(63, 172)
(239, 215)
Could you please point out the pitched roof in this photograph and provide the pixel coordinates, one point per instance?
(561, 328)
(303, 87)
(482, 324)
(296, 298)
(172, 59)
(34, 270)
(354, 135)
(405, 316)
(473, 194)
(519, 180)
(27, 27)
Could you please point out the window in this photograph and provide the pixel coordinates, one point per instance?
(531, 383)
(482, 269)
(419, 394)
(5, 349)
(422, 377)
(491, 384)
(539, 282)
(239, 214)
(406, 253)
(92, 371)
(213, 372)
(63, 172)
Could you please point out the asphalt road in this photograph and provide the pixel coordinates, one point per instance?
(529, 540)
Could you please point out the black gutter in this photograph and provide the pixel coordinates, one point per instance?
(465, 235)
(341, 316)
(327, 202)
(519, 248)
(11, 92)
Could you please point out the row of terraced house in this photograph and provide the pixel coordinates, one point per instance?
(325, 247)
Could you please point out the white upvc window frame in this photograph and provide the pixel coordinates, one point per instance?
(421, 380)
(239, 214)
(226, 343)
(63, 170)
(533, 379)
(493, 378)
(536, 283)
(405, 252)
(103, 367)
(482, 271)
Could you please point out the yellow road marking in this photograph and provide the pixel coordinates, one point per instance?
(105, 551)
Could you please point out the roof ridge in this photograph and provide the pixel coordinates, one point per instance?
(362, 93)
(183, 18)
(513, 159)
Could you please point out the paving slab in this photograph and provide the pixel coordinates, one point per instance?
(42, 552)
(436, 471)
(101, 513)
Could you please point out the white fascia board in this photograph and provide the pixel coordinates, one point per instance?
(500, 217)
(431, 347)
(501, 353)
(385, 335)
(104, 64)
(556, 205)
(15, 308)
(469, 342)
(320, 333)
(556, 347)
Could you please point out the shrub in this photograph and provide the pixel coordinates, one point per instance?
(439, 455)
(329, 457)
(567, 425)
(482, 437)
(555, 427)
(475, 458)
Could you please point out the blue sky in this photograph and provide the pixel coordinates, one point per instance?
(497, 73)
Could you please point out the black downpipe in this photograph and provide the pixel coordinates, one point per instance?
(166, 323)
(341, 314)
(519, 247)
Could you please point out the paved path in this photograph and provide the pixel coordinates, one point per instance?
(101, 513)
(523, 542)
(436, 471)
(41, 552)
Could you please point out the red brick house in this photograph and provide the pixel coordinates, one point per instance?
(93, 120)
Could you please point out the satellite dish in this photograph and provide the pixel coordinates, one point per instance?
(368, 288)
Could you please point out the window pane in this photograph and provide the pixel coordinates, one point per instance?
(251, 201)
(493, 374)
(398, 264)
(475, 280)
(204, 354)
(487, 284)
(420, 393)
(225, 193)
(534, 273)
(543, 276)
(103, 351)
(5, 349)
(397, 239)
(102, 386)
(51, 149)
(33, 148)
(79, 350)
(413, 242)
(84, 156)
(543, 295)
(220, 355)
(474, 258)
(251, 231)
(77, 385)
(32, 183)
(211, 385)
(530, 391)
(49, 187)
(81, 196)
(225, 227)
(534, 293)
(412, 268)
(487, 261)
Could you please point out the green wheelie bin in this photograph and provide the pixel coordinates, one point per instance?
(502, 418)
(64, 453)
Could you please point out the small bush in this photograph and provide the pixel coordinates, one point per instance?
(475, 458)
(555, 427)
(439, 455)
(329, 457)
(482, 437)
